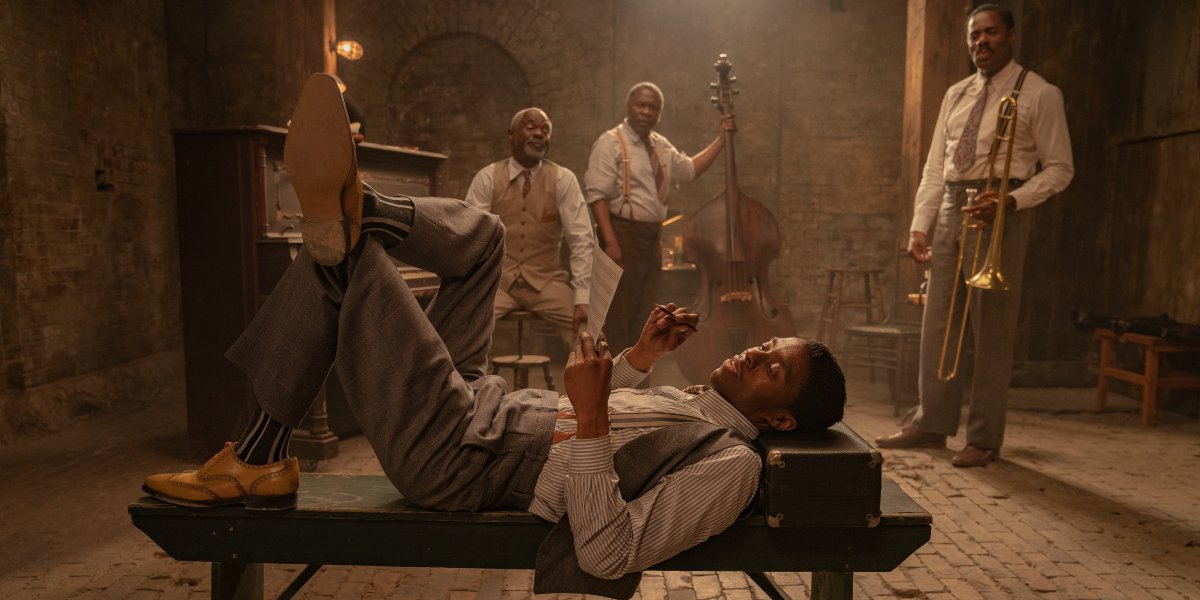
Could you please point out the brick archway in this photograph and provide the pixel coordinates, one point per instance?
(455, 94)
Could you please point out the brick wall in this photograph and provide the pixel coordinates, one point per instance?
(455, 94)
(88, 264)
(88, 267)
(818, 109)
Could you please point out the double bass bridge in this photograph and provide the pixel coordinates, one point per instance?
(735, 297)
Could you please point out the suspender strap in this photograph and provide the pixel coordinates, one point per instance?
(624, 173)
(1020, 82)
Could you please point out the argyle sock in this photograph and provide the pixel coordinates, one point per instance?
(389, 217)
(265, 440)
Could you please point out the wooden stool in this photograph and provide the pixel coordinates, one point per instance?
(872, 300)
(1152, 377)
(520, 362)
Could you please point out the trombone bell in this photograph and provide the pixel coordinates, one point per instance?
(989, 278)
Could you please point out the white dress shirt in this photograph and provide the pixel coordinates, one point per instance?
(605, 177)
(1041, 136)
(577, 224)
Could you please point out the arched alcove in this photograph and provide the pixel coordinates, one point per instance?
(456, 94)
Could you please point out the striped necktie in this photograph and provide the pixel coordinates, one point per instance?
(656, 166)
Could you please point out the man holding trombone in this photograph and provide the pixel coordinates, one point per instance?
(1003, 112)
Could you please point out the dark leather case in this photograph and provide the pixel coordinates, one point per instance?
(829, 478)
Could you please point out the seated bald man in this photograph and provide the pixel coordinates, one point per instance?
(642, 474)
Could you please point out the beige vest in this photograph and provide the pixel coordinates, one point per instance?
(534, 227)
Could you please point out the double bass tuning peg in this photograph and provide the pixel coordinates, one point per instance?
(712, 85)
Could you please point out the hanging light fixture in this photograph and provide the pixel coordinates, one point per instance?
(349, 49)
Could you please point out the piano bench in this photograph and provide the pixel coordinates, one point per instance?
(362, 520)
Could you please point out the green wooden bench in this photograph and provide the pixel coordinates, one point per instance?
(362, 520)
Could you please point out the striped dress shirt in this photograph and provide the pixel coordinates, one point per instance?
(614, 537)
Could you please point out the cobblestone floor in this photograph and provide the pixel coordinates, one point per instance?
(1083, 505)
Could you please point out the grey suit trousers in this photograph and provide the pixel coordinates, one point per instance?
(447, 436)
(993, 323)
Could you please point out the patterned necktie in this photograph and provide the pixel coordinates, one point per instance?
(526, 185)
(964, 155)
(655, 165)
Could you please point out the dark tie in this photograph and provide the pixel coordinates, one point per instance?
(525, 186)
(964, 155)
(654, 164)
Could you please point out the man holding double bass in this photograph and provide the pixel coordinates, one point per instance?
(629, 175)
(958, 161)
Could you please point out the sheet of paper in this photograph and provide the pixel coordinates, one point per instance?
(605, 277)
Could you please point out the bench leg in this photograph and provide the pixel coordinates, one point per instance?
(832, 586)
(237, 581)
(1150, 387)
(768, 586)
(1106, 359)
(294, 587)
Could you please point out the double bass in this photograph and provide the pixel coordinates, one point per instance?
(732, 239)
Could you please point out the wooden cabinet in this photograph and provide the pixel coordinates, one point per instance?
(238, 230)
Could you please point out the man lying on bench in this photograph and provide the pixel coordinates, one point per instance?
(643, 474)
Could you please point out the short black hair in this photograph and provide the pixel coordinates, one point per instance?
(1005, 13)
(822, 399)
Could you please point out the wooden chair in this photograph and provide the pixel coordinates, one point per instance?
(520, 362)
(891, 346)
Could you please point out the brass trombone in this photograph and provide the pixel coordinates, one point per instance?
(989, 276)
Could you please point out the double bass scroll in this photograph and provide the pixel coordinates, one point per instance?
(733, 239)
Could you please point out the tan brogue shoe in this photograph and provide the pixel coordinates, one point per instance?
(319, 154)
(225, 480)
(911, 437)
(975, 457)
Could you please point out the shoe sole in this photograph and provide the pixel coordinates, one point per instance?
(283, 502)
(968, 465)
(319, 154)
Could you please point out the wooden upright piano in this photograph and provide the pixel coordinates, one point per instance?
(239, 229)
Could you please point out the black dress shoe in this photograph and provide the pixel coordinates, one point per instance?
(975, 457)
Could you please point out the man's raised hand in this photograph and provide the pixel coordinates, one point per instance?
(666, 328)
(588, 377)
